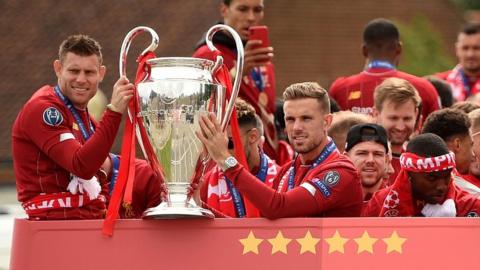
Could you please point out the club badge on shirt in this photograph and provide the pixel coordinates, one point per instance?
(52, 116)
(330, 179)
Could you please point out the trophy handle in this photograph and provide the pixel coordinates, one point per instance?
(238, 74)
(122, 64)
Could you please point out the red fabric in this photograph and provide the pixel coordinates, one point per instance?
(454, 78)
(218, 196)
(396, 168)
(284, 153)
(345, 197)
(126, 175)
(250, 93)
(43, 163)
(464, 203)
(398, 201)
(355, 93)
(471, 178)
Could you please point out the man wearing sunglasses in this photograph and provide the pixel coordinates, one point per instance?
(217, 191)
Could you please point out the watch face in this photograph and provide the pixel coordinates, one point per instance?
(230, 162)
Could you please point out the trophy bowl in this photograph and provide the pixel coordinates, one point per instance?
(177, 93)
(171, 100)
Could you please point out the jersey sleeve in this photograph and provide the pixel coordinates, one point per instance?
(336, 188)
(297, 202)
(47, 126)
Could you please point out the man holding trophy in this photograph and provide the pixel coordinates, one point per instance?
(217, 191)
(320, 181)
(258, 81)
(61, 154)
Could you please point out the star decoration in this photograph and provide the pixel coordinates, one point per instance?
(336, 243)
(250, 244)
(394, 242)
(365, 243)
(279, 243)
(308, 243)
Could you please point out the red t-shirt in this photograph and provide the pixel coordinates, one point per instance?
(332, 189)
(356, 92)
(465, 204)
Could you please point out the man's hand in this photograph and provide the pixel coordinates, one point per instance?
(122, 93)
(212, 137)
(256, 56)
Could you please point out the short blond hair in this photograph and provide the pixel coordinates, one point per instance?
(308, 90)
(474, 117)
(396, 90)
(341, 124)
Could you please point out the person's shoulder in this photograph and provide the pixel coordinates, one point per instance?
(345, 81)
(443, 75)
(43, 99)
(415, 80)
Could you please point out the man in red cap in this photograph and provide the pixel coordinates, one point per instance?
(320, 181)
(424, 186)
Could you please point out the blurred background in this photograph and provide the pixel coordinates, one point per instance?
(314, 40)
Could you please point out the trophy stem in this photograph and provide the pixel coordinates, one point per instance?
(177, 205)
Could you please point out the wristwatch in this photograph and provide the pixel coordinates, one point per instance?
(229, 163)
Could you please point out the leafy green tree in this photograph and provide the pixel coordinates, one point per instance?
(423, 51)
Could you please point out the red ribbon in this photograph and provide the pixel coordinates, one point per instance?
(126, 176)
(223, 77)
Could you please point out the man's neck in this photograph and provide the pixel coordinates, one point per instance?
(397, 148)
(254, 159)
(308, 158)
(472, 74)
(367, 191)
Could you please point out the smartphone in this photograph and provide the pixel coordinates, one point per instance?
(260, 32)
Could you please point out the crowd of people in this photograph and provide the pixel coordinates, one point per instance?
(378, 143)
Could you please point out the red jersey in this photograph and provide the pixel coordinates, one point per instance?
(257, 88)
(466, 205)
(356, 92)
(218, 193)
(462, 85)
(331, 189)
(48, 147)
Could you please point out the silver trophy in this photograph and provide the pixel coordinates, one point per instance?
(178, 91)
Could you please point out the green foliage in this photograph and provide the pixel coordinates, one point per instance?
(467, 4)
(423, 51)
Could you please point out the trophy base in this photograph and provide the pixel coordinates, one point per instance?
(163, 211)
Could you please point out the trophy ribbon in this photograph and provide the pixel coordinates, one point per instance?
(124, 186)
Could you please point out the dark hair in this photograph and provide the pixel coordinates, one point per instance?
(447, 123)
(444, 90)
(427, 145)
(465, 106)
(246, 114)
(81, 45)
(471, 29)
(227, 2)
(379, 33)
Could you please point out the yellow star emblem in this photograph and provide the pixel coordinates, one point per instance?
(250, 244)
(365, 243)
(394, 242)
(336, 243)
(279, 243)
(308, 243)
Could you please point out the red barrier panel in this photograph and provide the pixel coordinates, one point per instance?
(310, 243)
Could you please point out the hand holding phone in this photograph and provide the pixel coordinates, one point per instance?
(259, 32)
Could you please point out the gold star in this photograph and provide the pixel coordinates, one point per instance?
(336, 243)
(250, 244)
(308, 243)
(279, 243)
(365, 243)
(394, 242)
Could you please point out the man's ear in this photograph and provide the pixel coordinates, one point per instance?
(375, 114)
(57, 67)
(223, 10)
(328, 120)
(102, 71)
(253, 136)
